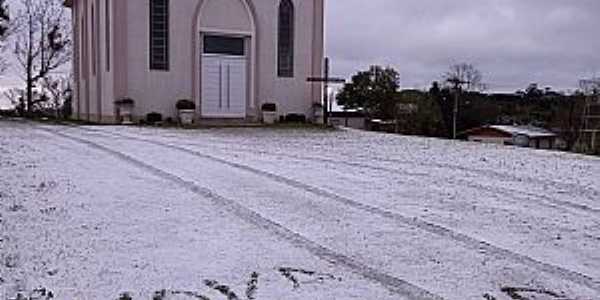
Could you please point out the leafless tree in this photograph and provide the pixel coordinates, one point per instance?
(466, 75)
(570, 119)
(4, 32)
(590, 87)
(42, 44)
(4, 18)
(56, 89)
(462, 77)
(16, 98)
(590, 122)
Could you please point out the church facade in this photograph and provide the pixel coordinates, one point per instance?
(227, 56)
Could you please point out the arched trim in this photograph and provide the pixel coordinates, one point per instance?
(285, 39)
(196, 51)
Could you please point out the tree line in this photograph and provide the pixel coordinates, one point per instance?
(460, 96)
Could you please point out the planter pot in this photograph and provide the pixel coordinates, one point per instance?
(269, 117)
(318, 116)
(126, 113)
(187, 116)
(319, 119)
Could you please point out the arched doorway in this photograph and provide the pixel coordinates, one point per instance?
(225, 51)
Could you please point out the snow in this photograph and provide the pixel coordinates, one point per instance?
(99, 211)
(529, 131)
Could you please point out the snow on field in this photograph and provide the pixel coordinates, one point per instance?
(94, 212)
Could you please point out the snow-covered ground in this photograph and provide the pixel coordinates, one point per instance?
(95, 212)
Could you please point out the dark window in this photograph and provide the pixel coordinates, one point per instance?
(159, 34)
(94, 45)
(223, 45)
(84, 46)
(107, 26)
(285, 49)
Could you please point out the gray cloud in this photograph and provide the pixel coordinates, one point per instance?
(513, 42)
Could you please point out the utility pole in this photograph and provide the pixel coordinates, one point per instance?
(457, 83)
(326, 80)
(455, 115)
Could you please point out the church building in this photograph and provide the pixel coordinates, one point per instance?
(227, 56)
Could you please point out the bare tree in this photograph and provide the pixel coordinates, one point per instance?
(42, 44)
(570, 118)
(4, 18)
(590, 87)
(16, 98)
(462, 77)
(466, 74)
(4, 32)
(57, 89)
(590, 126)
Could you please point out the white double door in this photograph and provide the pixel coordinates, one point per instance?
(224, 86)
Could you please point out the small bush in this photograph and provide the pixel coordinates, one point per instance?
(185, 104)
(295, 118)
(125, 296)
(153, 118)
(269, 107)
(8, 112)
(159, 295)
(125, 101)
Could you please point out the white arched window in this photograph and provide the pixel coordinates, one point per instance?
(285, 44)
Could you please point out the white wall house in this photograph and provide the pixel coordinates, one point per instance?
(228, 56)
(522, 136)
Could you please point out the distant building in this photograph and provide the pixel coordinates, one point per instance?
(351, 119)
(522, 136)
(389, 126)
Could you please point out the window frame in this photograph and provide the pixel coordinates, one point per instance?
(159, 59)
(216, 44)
(107, 32)
(286, 35)
(94, 39)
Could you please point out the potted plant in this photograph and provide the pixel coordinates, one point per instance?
(154, 119)
(318, 113)
(186, 110)
(269, 113)
(125, 110)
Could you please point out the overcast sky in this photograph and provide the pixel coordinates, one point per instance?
(513, 42)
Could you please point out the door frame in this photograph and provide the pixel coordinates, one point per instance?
(250, 55)
(251, 32)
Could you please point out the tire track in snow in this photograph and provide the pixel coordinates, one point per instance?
(588, 192)
(500, 175)
(466, 240)
(391, 283)
(516, 194)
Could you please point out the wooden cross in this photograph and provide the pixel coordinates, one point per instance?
(326, 80)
